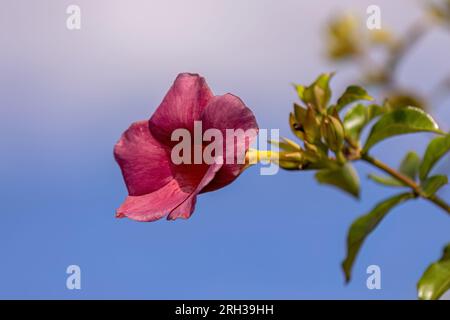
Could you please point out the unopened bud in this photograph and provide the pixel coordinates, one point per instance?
(333, 132)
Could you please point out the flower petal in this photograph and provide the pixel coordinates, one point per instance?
(155, 205)
(187, 207)
(144, 162)
(229, 112)
(178, 201)
(182, 105)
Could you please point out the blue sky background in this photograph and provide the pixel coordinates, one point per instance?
(66, 96)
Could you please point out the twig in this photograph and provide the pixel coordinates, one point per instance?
(407, 181)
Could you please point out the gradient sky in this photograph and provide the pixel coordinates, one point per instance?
(66, 96)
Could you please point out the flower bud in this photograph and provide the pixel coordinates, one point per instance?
(333, 132)
(311, 126)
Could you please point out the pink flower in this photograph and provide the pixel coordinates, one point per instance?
(158, 187)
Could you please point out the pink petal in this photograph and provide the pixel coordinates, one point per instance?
(144, 162)
(156, 186)
(187, 207)
(182, 105)
(173, 198)
(228, 112)
(155, 205)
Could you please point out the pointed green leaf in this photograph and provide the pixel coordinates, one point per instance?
(385, 181)
(318, 94)
(400, 121)
(437, 148)
(322, 86)
(311, 126)
(432, 184)
(300, 91)
(344, 177)
(300, 114)
(436, 279)
(410, 165)
(352, 94)
(358, 117)
(364, 225)
(295, 127)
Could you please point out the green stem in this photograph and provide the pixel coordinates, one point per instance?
(407, 181)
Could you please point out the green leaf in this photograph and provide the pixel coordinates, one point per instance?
(295, 127)
(410, 165)
(322, 86)
(436, 279)
(354, 121)
(432, 184)
(300, 90)
(352, 94)
(311, 126)
(344, 177)
(364, 225)
(400, 121)
(300, 114)
(318, 94)
(437, 148)
(358, 117)
(385, 181)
